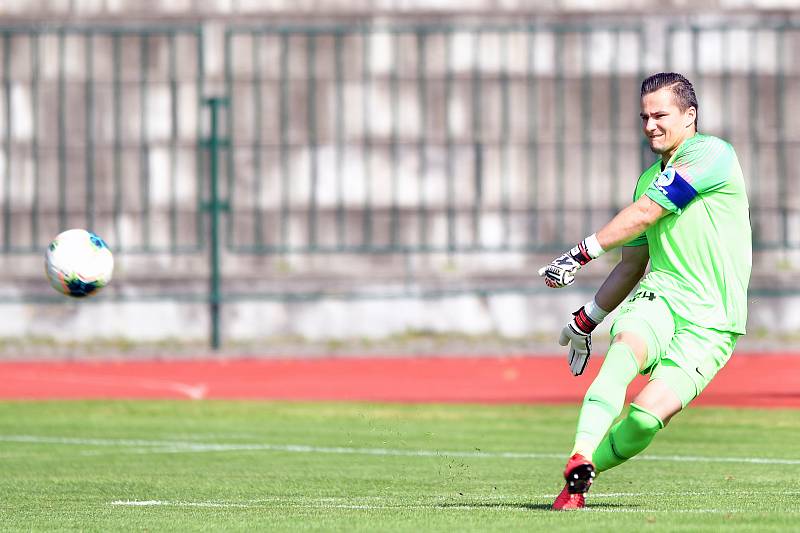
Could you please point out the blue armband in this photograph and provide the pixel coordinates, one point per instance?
(675, 187)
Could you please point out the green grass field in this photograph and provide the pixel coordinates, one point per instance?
(246, 466)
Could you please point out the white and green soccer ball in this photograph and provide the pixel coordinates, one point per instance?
(78, 263)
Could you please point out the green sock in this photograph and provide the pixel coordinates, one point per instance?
(628, 437)
(604, 399)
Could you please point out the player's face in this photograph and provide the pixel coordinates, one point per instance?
(665, 125)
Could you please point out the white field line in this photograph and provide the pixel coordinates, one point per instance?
(326, 503)
(154, 503)
(194, 392)
(363, 500)
(166, 446)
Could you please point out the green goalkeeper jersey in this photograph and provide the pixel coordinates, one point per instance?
(700, 253)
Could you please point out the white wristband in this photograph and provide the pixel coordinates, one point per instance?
(593, 246)
(595, 312)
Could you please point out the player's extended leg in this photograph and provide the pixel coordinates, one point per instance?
(640, 333)
(650, 411)
(627, 437)
(605, 398)
(602, 404)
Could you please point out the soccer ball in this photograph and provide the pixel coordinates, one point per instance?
(78, 263)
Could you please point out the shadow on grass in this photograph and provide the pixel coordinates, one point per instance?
(529, 506)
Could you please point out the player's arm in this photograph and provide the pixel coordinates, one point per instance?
(626, 226)
(703, 167)
(630, 223)
(619, 283)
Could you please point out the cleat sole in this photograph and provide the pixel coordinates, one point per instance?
(582, 477)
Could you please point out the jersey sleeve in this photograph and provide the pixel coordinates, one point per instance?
(641, 240)
(702, 167)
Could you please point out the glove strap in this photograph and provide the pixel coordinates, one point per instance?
(584, 321)
(586, 250)
(595, 312)
(580, 254)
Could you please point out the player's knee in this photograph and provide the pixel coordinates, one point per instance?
(635, 432)
(642, 423)
(636, 343)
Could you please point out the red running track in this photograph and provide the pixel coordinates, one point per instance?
(748, 380)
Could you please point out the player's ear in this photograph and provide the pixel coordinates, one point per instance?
(691, 116)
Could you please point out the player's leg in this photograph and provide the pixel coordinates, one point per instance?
(643, 326)
(605, 397)
(660, 398)
(601, 405)
(694, 357)
(641, 332)
(649, 412)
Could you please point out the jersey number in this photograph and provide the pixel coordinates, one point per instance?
(650, 295)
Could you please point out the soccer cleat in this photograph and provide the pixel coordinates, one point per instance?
(579, 474)
(567, 501)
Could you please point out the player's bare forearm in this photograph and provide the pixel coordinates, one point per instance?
(623, 278)
(577, 334)
(623, 228)
(630, 223)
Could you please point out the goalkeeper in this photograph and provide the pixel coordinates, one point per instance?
(690, 220)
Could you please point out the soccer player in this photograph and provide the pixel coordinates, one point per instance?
(690, 221)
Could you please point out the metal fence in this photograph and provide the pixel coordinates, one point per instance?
(366, 142)
(427, 139)
(99, 128)
(473, 139)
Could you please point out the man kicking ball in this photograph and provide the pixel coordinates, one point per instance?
(690, 220)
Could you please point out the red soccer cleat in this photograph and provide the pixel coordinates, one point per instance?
(579, 474)
(566, 501)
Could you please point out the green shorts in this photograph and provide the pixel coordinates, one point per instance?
(682, 354)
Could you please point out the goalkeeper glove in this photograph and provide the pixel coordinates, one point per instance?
(578, 335)
(561, 271)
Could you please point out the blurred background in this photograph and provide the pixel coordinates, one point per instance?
(323, 176)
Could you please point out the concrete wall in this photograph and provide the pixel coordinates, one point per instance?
(466, 324)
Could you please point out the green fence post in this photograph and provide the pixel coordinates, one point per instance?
(213, 143)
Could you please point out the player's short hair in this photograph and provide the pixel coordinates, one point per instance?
(681, 88)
